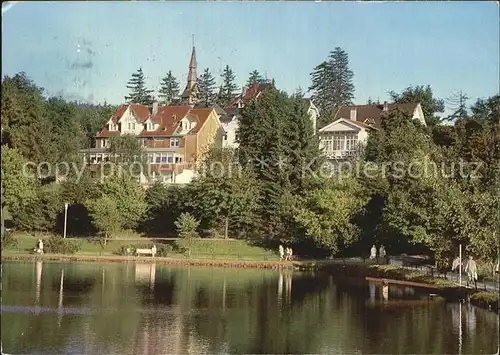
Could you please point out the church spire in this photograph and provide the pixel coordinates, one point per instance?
(189, 94)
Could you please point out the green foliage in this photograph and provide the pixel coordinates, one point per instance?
(25, 122)
(187, 226)
(277, 143)
(332, 84)
(228, 87)
(325, 213)
(8, 240)
(105, 215)
(424, 95)
(128, 154)
(139, 93)
(59, 245)
(206, 88)
(254, 77)
(226, 195)
(169, 89)
(120, 205)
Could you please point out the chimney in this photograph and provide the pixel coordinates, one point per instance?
(386, 106)
(155, 108)
(354, 113)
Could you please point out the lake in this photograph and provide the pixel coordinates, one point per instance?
(129, 308)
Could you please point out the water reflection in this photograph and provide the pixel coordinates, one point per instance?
(154, 309)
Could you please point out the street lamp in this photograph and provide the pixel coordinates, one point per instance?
(65, 217)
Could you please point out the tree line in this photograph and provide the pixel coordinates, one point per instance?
(169, 91)
(273, 188)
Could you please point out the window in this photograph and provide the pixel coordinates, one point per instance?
(151, 158)
(157, 159)
(174, 142)
(163, 158)
(170, 159)
(225, 137)
(327, 143)
(178, 160)
(351, 142)
(338, 142)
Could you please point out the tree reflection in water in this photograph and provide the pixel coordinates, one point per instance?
(155, 309)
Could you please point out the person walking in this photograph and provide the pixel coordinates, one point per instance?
(471, 270)
(382, 254)
(290, 252)
(373, 252)
(281, 252)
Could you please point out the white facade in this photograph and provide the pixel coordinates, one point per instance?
(230, 130)
(342, 139)
(130, 124)
(418, 114)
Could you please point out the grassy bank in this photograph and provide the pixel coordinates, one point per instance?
(230, 249)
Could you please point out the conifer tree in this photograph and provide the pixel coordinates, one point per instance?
(254, 77)
(228, 87)
(169, 89)
(139, 94)
(206, 88)
(332, 84)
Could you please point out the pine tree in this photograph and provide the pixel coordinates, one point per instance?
(206, 87)
(254, 77)
(228, 87)
(139, 94)
(457, 103)
(332, 82)
(169, 89)
(277, 140)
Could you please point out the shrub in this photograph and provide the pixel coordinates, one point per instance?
(187, 226)
(8, 240)
(59, 245)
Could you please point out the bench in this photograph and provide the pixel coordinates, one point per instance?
(151, 251)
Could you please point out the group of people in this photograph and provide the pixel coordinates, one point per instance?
(285, 253)
(470, 268)
(381, 253)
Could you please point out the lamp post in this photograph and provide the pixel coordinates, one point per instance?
(65, 218)
(460, 265)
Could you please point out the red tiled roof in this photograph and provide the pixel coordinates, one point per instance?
(141, 111)
(119, 113)
(106, 134)
(374, 112)
(250, 93)
(168, 118)
(201, 115)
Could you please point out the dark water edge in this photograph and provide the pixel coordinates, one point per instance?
(134, 308)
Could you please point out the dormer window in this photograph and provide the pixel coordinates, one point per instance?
(174, 142)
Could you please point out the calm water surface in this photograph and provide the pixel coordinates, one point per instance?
(86, 308)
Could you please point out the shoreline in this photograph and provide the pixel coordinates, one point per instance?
(390, 273)
(160, 260)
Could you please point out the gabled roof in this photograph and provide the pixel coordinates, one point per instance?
(168, 119)
(106, 134)
(375, 112)
(348, 121)
(252, 92)
(141, 112)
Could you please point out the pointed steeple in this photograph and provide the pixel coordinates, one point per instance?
(189, 94)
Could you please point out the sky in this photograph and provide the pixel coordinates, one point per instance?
(88, 50)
